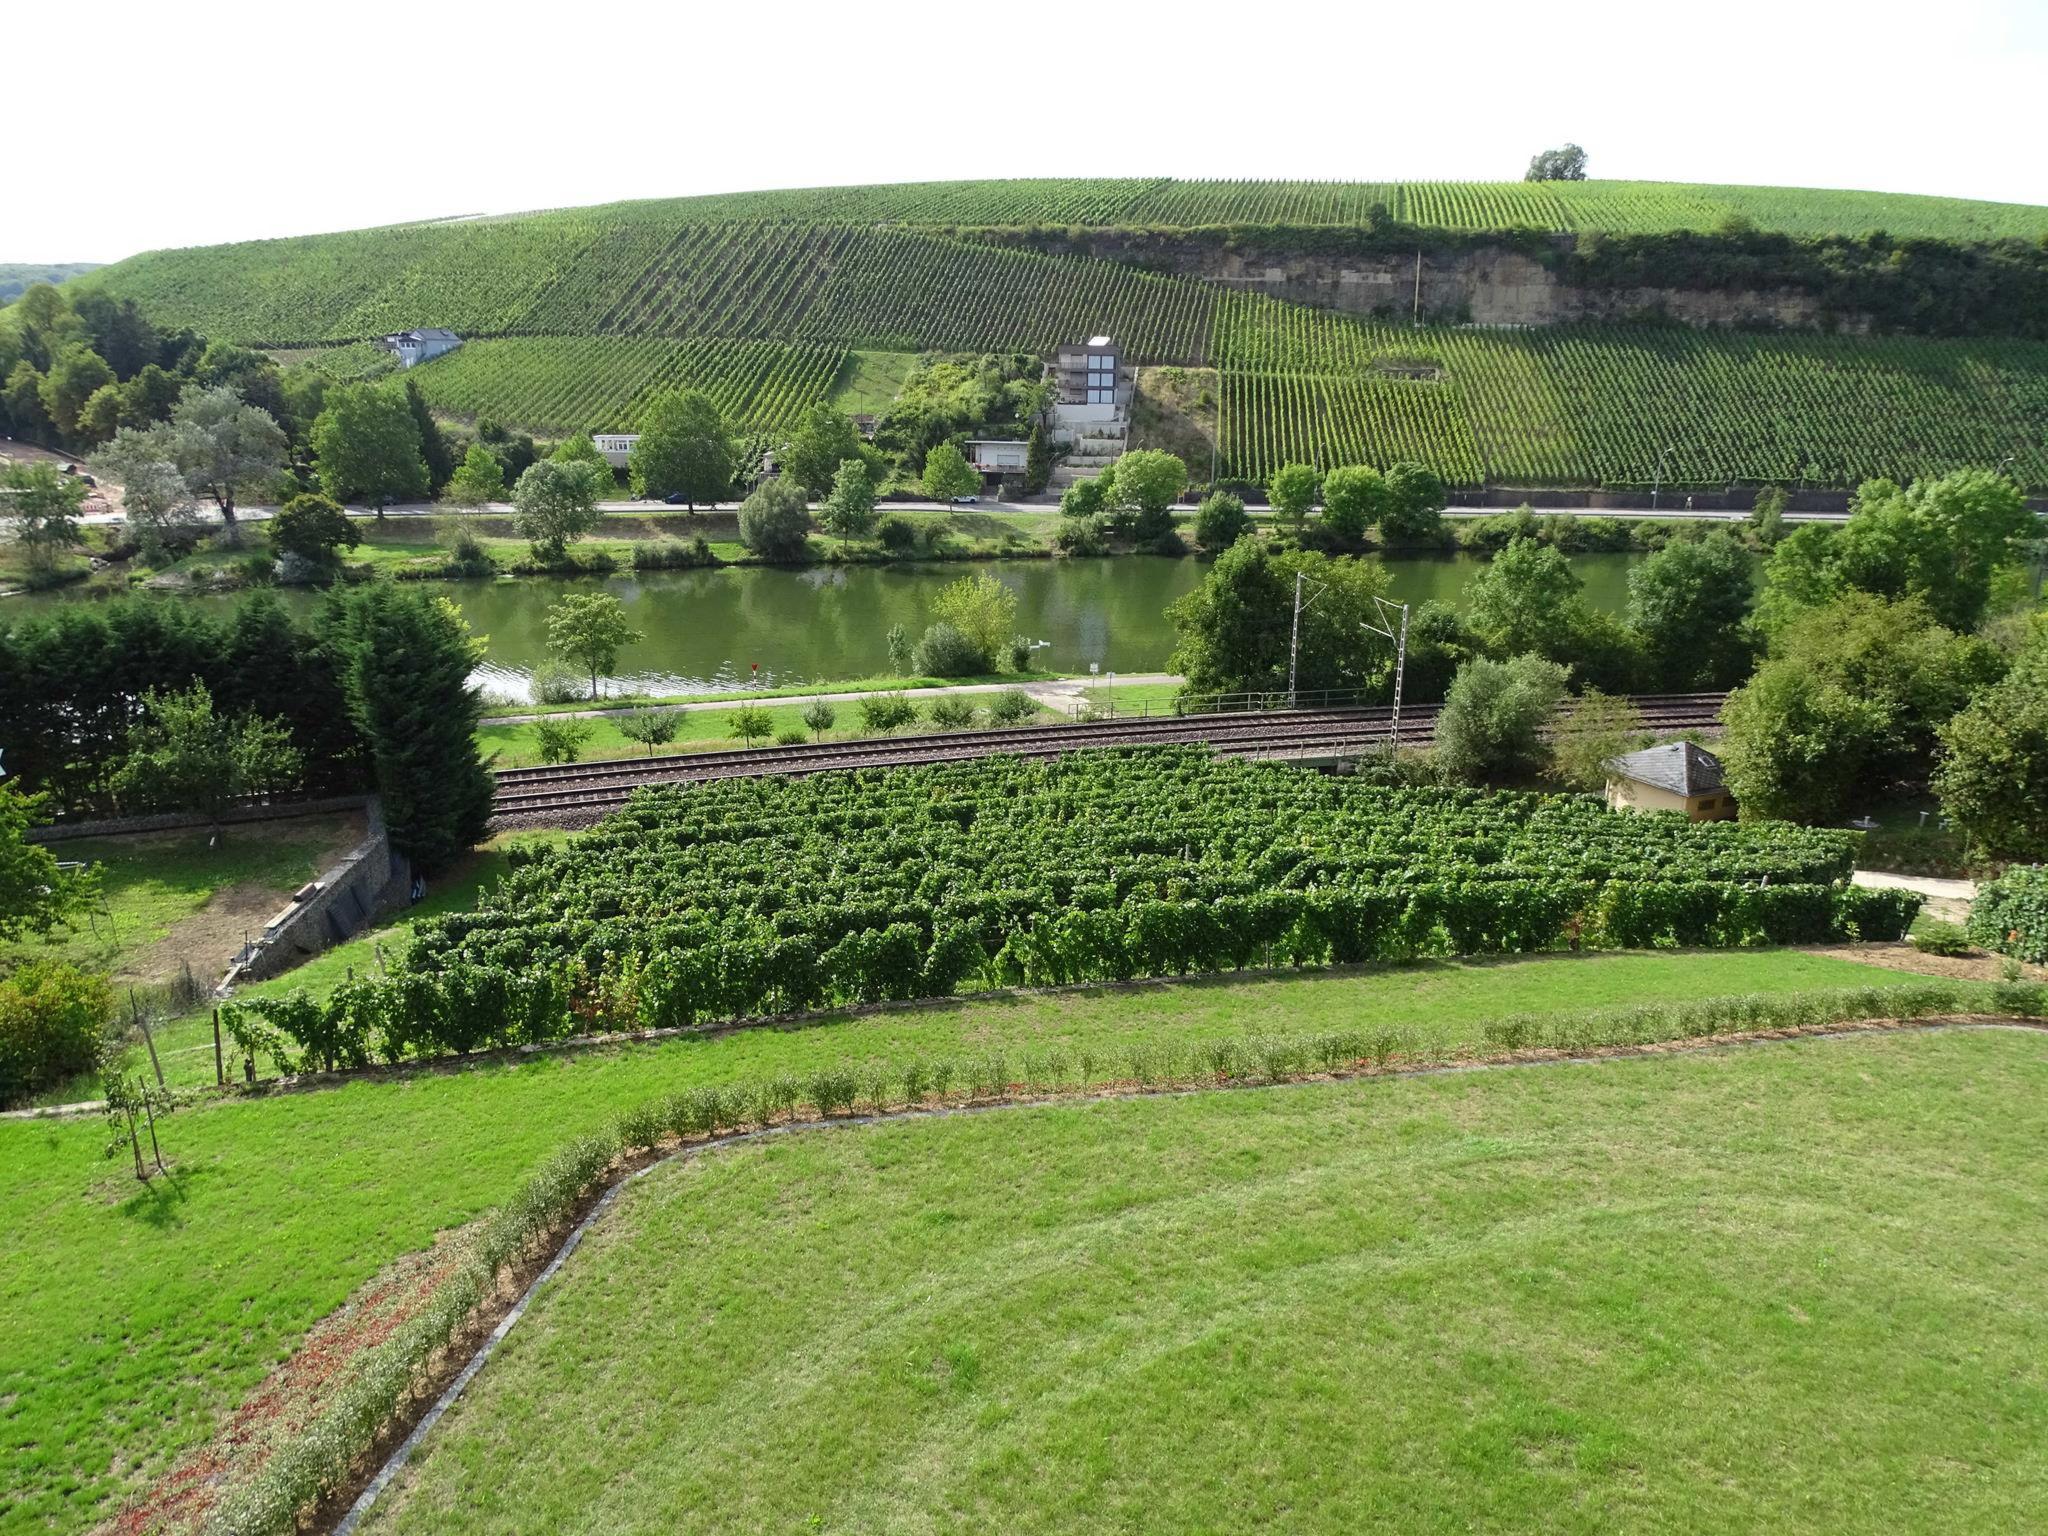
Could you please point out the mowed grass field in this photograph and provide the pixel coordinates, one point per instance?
(136, 1319)
(1794, 1287)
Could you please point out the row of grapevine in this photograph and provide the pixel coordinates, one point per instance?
(894, 291)
(1605, 404)
(595, 383)
(1271, 419)
(745, 896)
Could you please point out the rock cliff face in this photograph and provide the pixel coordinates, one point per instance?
(1480, 285)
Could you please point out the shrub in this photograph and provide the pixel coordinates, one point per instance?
(1938, 938)
(51, 1022)
(951, 714)
(1080, 536)
(1220, 521)
(945, 652)
(556, 682)
(791, 736)
(897, 534)
(2010, 915)
(671, 555)
(775, 521)
(1011, 707)
(886, 712)
(560, 739)
(820, 716)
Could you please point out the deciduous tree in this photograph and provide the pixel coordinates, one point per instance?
(1292, 492)
(1415, 504)
(183, 755)
(775, 521)
(1147, 482)
(479, 480)
(685, 449)
(368, 445)
(1490, 728)
(947, 474)
(1354, 498)
(555, 503)
(313, 529)
(1689, 602)
(1993, 778)
(1565, 164)
(44, 503)
(849, 512)
(225, 448)
(590, 628)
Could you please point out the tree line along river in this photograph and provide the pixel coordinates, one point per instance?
(708, 629)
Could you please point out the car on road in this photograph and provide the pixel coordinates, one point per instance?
(674, 499)
(965, 501)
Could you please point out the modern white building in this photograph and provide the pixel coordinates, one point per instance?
(617, 447)
(998, 455)
(417, 346)
(1091, 409)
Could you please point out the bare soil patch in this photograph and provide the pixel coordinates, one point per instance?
(1976, 966)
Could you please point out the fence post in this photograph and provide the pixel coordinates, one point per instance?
(135, 1013)
(220, 1071)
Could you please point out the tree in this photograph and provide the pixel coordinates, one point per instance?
(886, 712)
(100, 417)
(1597, 728)
(480, 479)
(1292, 492)
(1438, 645)
(313, 529)
(590, 628)
(1037, 460)
(945, 652)
(1220, 521)
(1234, 629)
(1939, 540)
(155, 500)
(1688, 602)
(947, 474)
(898, 642)
(850, 509)
(554, 503)
(1523, 600)
(1848, 706)
(583, 449)
(1084, 498)
(650, 727)
(182, 756)
(1767, 516)
(819, 717)
(1490, 728)
(73, 378)
(368, 445)
(36, 896)
(405, 659)
(434, 451)
(823, 441)
(560, 740)
(43, 503)
(1415, 504)
(23, 399)
(1566, 164)
(751, 723)
(983, 610)
(1993, 778)
(224, 447)
(1147, 482)
(1354, 498)
(775, 521)
(685, 449)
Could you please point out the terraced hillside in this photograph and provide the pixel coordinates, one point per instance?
(577, 315)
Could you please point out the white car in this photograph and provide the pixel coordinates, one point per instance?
(965, 501)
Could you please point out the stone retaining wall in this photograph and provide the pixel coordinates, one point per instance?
(349, 895)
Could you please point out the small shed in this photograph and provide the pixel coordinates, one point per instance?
(1677, 776)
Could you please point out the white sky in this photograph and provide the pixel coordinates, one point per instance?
(159, 125)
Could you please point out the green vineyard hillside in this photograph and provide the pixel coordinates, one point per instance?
(574, 317)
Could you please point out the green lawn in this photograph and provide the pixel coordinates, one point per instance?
(1790, 1288)
(869, 382)
(157, 883)
(795, 690)
(156, 1311)
(701, 730)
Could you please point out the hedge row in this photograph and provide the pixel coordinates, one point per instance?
(467, 1006)
(2010, 914)
(319, 1462)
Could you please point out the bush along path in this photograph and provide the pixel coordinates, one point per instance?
(332, 1466)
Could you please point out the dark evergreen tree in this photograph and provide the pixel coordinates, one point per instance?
(434, 447)
(1037, 460)
(405, 659)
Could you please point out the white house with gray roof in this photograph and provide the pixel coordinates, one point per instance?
(1678, 776)
(417, 346)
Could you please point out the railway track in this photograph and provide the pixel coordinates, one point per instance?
(578, 793)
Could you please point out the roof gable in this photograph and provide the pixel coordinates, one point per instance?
(1677, 766)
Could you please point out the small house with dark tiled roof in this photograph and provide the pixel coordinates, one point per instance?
(1677, 776)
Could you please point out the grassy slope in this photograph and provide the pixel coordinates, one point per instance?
(1795, 1288)
(155, 881)
(156, 1311)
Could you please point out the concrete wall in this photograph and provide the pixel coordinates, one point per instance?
(1629, 795)
(169, 821)
(364, 882)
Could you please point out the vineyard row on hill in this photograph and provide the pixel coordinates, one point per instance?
(1590, 406)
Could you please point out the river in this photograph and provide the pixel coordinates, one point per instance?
(708, 630)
